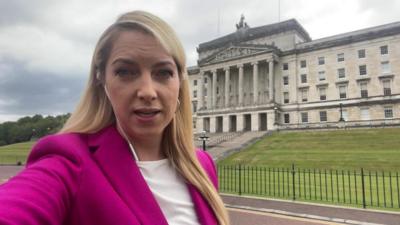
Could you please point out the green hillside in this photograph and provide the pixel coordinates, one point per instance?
(11, 154)
(372, 149)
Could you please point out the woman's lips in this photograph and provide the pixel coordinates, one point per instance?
(146, 115)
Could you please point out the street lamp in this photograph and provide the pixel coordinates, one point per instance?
(276, 115)
(203, 137)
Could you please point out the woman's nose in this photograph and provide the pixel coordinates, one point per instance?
(146, 88)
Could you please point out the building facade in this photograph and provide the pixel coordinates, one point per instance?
(276, 77)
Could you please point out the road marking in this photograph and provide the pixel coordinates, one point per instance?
(283, 216)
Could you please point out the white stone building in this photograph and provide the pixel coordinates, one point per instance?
(275, 77)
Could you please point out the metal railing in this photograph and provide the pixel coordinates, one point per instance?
(358, 188)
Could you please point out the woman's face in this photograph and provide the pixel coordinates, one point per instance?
(142, 83)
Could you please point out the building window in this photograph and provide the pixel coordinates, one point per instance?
(194, 82)
(217, 90)
(304, 117)
(304, 97)
(361, 53)
(388, 112)
(323, 116)
(322, 94)
(342, 91)
(286, 97)
(205, 92)
(364, 90)
(286, 118)
(285, 80)
(384, 50)
(321, 60)
(341, 73)
(364, 114)
(321, 75)
(285, 66)
(194, 106)
(303, 63)
(340, 57)
(303, 78)
(194, 94)
(385, 67)
(386, 88)
(362, 69)
(205, 80)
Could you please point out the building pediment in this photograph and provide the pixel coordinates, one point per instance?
(235, 52)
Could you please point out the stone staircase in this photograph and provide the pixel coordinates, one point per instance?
(224, 144)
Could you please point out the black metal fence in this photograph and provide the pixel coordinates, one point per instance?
(360, 188)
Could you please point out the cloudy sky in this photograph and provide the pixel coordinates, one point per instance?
(46, 45)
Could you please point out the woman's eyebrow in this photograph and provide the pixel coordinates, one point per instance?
(124, 61)
(164, 63)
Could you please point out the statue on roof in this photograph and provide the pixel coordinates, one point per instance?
(241, 23)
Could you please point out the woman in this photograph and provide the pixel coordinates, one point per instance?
(126, 154)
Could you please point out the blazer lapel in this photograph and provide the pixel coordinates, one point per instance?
(115, 159)
(203, 209)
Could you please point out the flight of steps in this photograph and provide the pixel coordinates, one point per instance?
(222, 145)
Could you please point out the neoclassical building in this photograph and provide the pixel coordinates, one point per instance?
(276, 77)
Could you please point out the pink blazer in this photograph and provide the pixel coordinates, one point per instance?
(88, 179)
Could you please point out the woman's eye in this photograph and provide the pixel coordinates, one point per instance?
(165, 73)
(124, 72)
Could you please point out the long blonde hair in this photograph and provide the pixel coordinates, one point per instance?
(94, 111)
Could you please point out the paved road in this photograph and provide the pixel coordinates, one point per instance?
(9, 171)
(247, 217)
(330, 213)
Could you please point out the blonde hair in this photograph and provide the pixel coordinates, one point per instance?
(94, 111)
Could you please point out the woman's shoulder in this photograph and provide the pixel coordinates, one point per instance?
(208, 164)
(68, 145)
(204, 157)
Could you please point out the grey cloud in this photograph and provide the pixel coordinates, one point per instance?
(23, 92)
(22, 11)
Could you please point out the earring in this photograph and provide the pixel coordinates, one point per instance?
(179, 103)
(98, 75)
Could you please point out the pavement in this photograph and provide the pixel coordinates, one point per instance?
(336, 214)
(251, 217)
(8, 171)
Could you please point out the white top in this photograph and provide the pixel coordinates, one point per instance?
(170, 191)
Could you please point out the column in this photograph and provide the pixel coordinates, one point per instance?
(255, 82)
(271, 81)
(239, 122)
(225, 122)
(271, 120)
(201, 90)
(227, 81)
(214, 88)
(199, 125)
(209, 92)
(254, 122)
(213, 124)
(240, 85)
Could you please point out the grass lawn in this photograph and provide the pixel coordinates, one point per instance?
(371, 149)
(11, 154)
